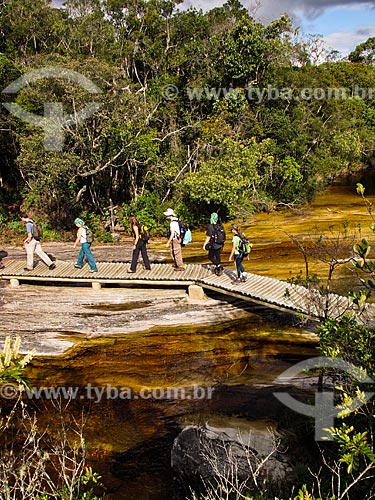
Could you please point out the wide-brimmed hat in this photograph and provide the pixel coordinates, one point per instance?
(169, 212)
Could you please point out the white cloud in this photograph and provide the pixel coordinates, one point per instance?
(271, 9)
(346, 41)
(310, 9)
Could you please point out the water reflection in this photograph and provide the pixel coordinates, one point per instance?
(130, 437)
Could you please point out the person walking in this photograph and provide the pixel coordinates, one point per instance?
(32, 245)
(237, 254)
(214, 242)
(3, 254)
(85, 247)
(140, 245)
(174, 240)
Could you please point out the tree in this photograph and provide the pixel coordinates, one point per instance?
(364, 52)
(27, 27)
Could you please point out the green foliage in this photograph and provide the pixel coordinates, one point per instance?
(346, 339)
(364, 52)
(304, 494)
(208, 142)
(228, 177)
(353, 446)
(12, 364)
(16, 227)
(105, 237)
(306, 281)
(86, 488)
(148, 209)
(362, 250)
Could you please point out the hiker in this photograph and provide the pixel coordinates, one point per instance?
(3, 254)
(85, 247)
(237, 254)
(140, 244)
(174, 240)
(32, 245)
(214, 242)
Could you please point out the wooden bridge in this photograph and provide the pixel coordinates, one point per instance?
(269, 292)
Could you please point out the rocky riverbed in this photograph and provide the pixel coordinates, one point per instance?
(53, 318)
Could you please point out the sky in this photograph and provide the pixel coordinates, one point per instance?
(343, 24)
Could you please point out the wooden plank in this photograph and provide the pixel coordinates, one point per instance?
(261, 290)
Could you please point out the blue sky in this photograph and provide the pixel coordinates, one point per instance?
(344, 24)
(343, 28)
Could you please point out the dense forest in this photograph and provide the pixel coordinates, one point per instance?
(197, 110)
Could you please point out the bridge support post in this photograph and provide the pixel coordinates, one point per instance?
(96, 285)
(196, 292)
(14, 282)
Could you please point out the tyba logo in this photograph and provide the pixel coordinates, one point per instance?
(324, 410)
(53, 122)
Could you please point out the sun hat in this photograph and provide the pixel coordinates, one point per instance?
(79, 221)
(214, 218)
(169, 212)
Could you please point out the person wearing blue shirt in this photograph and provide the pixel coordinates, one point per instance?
(33, 246)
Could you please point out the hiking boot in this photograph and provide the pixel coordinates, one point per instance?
(93, 271)
(77, 266)
(219, 271)
(130, 271)
(52, 267)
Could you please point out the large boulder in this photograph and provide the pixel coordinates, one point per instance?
(213, 455)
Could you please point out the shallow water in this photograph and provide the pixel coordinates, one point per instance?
(137, 392)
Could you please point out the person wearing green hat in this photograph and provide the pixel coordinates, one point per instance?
(85, 247)
(214, 242)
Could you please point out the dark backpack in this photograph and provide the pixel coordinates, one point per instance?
(218, 236)
(245, 246)
(89, 235)
(37, 231)
(144, 233)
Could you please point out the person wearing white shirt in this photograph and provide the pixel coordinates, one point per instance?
(174, 240)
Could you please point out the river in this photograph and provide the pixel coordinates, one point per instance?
(137, 390)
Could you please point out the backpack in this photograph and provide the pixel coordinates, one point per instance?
(185, 233)
(187, 238)
(37, 231)
(89, 235)
(245, 246)
(144, 233)
(218, 236)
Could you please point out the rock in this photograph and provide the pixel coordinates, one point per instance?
(196, 292)
(209, 454)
